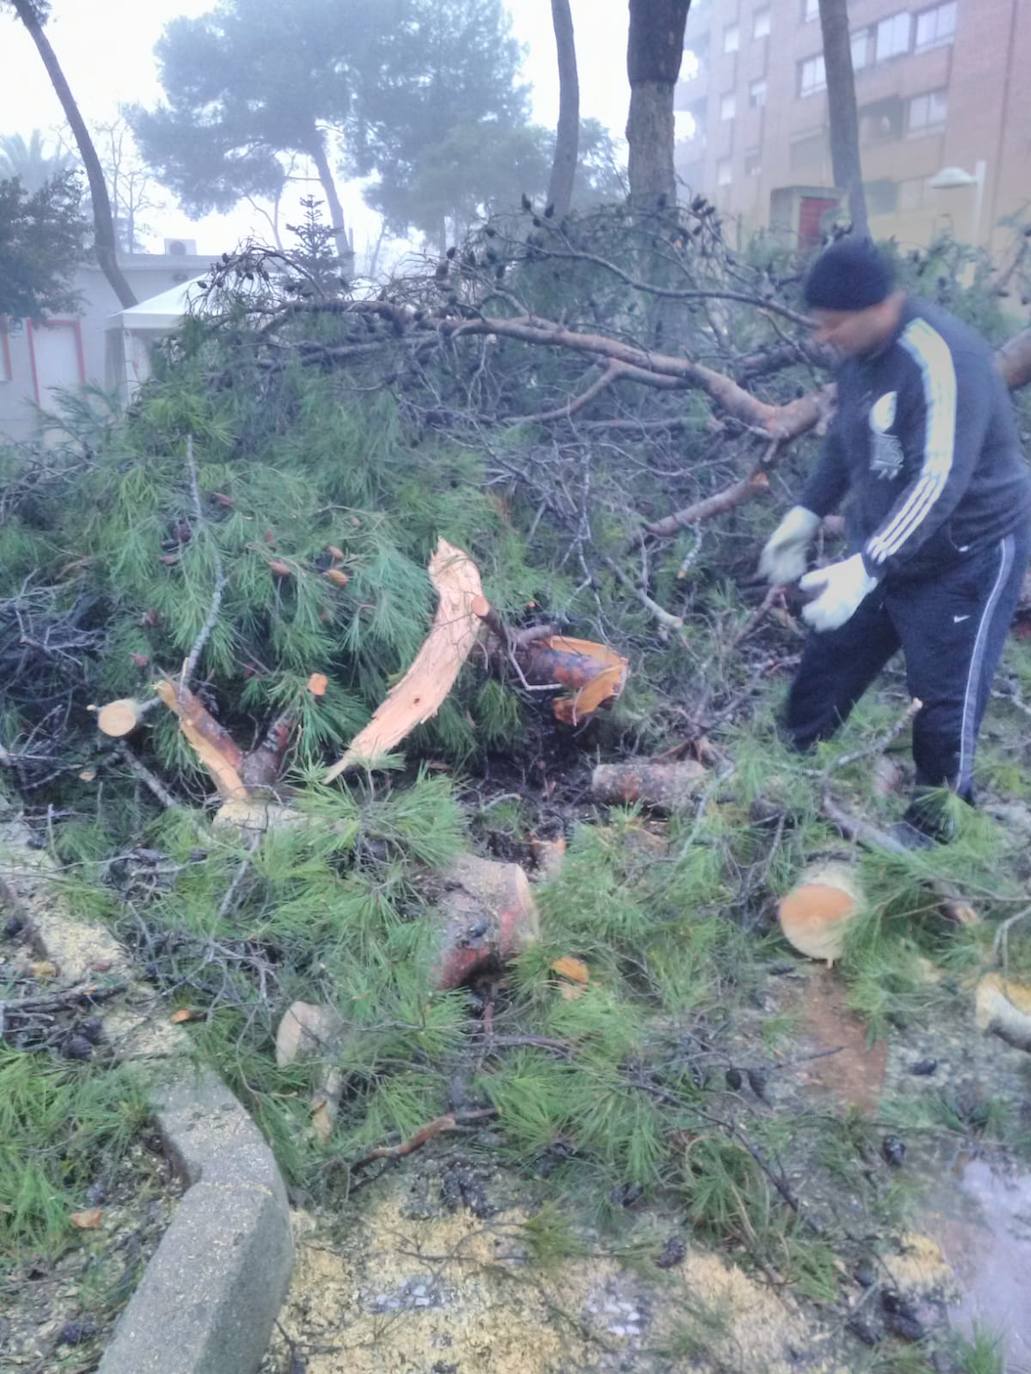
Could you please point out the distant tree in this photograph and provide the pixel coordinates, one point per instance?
(33, 14)
(567, 137)
(32, 162)
(246, 86)
(439, 81)
(841, 107)
(129, 182)
(43, 238)
(655, 50)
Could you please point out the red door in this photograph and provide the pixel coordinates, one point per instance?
(811, 211)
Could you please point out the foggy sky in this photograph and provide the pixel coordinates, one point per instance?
(106, 50)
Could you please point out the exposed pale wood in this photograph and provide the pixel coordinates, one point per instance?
(421, 692)
(120, 718)
(1004, 1009)
(816, 914)
(212, 743)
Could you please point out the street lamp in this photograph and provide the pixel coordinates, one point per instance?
(952, 178)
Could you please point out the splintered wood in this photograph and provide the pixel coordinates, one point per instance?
(594, 674)
(421, 692)
(212, 743)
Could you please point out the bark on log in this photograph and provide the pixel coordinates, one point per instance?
(663, 786)
(213, 744)
(487, 916)
(816, 914)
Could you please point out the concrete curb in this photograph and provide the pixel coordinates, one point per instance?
(208, 1298)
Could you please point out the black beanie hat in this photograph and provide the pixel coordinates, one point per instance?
(849, 275)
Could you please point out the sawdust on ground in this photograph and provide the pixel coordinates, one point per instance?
(455, 1294)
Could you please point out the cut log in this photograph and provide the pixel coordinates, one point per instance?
(421, 692)
(306, 1029)
(120, 718)
(594, 674)
(816, 914)
(212, 743)
(487, 915)
(664, 786)
(1003, 1008)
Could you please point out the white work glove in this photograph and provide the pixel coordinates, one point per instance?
(783, 558)
(842, 587)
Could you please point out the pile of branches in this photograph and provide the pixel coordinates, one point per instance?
(632, 353)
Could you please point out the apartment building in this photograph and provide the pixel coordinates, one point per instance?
(944, 97)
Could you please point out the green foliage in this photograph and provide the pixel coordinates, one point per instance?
(58, 1127)
(42, 241)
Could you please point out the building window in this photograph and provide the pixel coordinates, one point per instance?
(731, 38)
(757, 93)
(881, 121)
(926, 112)
(728, 106)
(753, 164)
(761, 23)
(812, 75)
(893, 35)
(861, 49)
(936, 26)
(724, 174)
(810, 10)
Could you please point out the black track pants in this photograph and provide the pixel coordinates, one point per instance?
(951, 627)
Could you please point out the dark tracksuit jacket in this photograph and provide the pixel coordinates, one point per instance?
(925, 447)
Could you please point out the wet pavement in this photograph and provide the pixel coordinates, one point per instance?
(980, 1215)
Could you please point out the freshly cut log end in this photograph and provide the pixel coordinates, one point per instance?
(664, 786)
(120, 718)
(816, 914)
(488, 915)
(1003, 1008)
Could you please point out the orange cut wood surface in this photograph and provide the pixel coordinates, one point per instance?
(421, 692)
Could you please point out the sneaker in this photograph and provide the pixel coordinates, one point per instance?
(910, 837)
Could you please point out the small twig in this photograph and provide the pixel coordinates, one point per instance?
(773, 595)
(148, 779)
(228, 902)
(190, 666)
(665, 619)
(879, 745)
(452, 1121)
(57, 1001)
(1000, 944)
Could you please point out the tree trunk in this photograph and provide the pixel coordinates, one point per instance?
(336, 211)
(655, 50)
(103, 224)
(567, 137)
(841, 106)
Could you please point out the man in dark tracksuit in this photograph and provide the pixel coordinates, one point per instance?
(925, 445)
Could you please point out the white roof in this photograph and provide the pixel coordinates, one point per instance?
(163, 311)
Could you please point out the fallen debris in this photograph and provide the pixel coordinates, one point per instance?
(816, 914)
(1003, 1008)
(422, 691)
(487, 915)
(664, 786)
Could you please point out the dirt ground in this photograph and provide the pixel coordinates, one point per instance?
(428, 1271)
